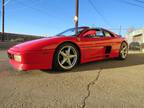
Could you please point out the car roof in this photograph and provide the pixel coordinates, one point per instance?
(99, 28)
(87, 27)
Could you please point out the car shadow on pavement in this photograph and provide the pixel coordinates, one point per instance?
(132, 60)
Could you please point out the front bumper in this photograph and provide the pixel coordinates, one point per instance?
(32, 60)
(26, 67)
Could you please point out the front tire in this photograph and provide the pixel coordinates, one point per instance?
(123, 51)
(66, 57)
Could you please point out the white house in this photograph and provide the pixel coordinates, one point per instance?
(136, 36)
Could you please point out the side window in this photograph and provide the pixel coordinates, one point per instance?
(99, 33)
(107, 34)
(90, 34)
(95, 33)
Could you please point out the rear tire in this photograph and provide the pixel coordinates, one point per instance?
(66, 57)
(123, 51)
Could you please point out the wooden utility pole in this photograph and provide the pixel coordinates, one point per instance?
(3, 16)
(76, 16)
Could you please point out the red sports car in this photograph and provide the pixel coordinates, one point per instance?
(65, 50)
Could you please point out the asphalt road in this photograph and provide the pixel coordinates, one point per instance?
(101, 84)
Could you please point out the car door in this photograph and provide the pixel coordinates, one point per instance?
(92, 44)
(111, 44)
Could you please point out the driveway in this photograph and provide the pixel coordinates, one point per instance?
(101, 84)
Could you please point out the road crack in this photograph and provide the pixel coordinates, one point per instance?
(88, 89)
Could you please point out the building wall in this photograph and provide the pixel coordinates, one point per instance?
(136, 36)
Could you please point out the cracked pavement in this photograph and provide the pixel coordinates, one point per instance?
(88, 88)
(101, 84)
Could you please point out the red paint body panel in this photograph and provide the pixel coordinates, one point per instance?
(38, 54)
(32, 60)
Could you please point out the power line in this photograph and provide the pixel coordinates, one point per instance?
(97, 11)
(131, 3)
(139, 1)
(42, 11)
(35, 9)
(34, 2)
(119, 28)
(6, 2)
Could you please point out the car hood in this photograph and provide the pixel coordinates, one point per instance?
(37, 44)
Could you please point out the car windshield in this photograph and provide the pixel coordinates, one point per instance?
(71, 32)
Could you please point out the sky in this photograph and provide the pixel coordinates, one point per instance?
(49, 17)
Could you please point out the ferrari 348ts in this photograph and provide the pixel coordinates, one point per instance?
(67, 49)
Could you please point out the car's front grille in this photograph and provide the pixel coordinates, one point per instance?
(11, 56)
